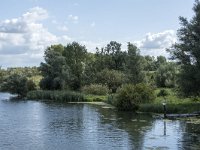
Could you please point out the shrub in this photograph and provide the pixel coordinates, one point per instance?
(130, 96)
(18, 84)
(65, 96)
(95, 98)
(30, 85)
(145, 93)
(95, 89)
(163, 93)
(112, 78)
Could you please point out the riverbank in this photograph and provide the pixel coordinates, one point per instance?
(170, 108)
(103, 104)
(174, 104)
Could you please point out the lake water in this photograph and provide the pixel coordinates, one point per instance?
(33, 125)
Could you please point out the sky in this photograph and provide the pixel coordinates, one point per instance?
(28, 27)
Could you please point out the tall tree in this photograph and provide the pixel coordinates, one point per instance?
(149, 63)
(134, 64)
(75, 56)
(111, 78)
(166, 75)
(55, 70)
(161, 60)
(111, 57)
(187, 52)
(18, 84)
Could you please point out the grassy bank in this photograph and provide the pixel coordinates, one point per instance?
(174, 103)
(171, 108)
(64, 96)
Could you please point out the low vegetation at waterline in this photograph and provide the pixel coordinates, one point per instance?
(174, 102)
(64, 96)
(95, 89)
(129, 97)
(171, 108)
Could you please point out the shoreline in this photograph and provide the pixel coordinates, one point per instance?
(95, 103)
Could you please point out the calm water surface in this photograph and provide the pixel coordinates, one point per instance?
(32, 125)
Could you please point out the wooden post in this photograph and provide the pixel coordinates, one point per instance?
(165, 110)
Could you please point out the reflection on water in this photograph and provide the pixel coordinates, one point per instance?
(48, 126)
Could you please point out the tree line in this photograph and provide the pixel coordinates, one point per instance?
(72, 67)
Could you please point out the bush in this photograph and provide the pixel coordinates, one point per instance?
(145, 93)
(95, 98)
(129, 97)
(95, 89)
(163, 93)
(65, 96)
(112, 78)
(18, 84)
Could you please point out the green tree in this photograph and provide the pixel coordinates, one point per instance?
(75, 56)
(149, 63)
(111, 57)
(134, 66)
(187, 52)
(161, 60)
(166, 75)
(130, 96)
(18, 84)
(90, 70)
(111, 78)
(1, 75)
(55, 71)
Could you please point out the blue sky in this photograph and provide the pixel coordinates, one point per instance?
(27, 27)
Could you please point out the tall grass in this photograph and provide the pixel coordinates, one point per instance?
(171, 108)
(64, 96)
(175, 103)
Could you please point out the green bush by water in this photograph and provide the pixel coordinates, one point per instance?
(174, 103)
(65, 96)
(95, 89)
(95, 98)
(171, 108)
(129, 97)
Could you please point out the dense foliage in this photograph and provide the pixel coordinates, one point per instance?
(18, 84)
(166, 75)
(95, 89)
(130, 96)
(187, 52)
(71, 67)
(64, 96)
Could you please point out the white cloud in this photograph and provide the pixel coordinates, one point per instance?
(156, 43)
(24, 38)
(35, 14)
(73, 18)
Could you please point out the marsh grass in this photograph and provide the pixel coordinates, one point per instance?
(174, 103)
(171, 108)
(64, 96)
(96, 98)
